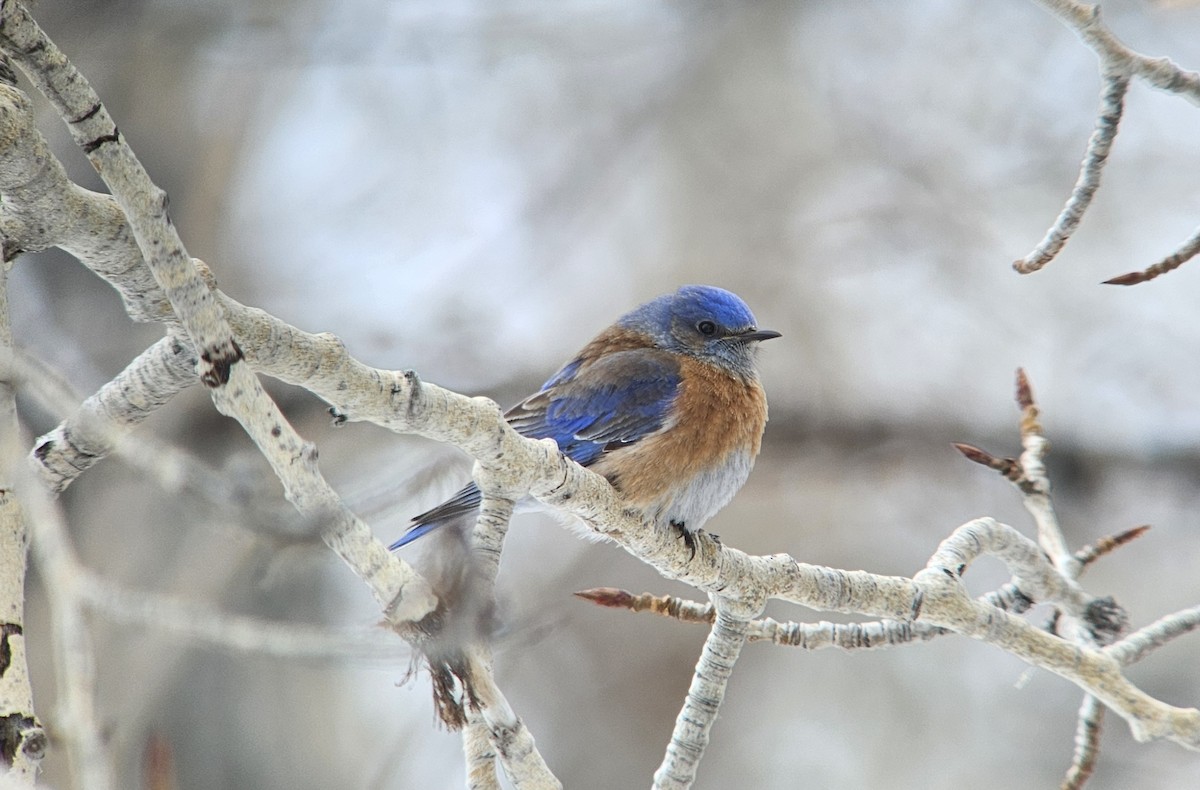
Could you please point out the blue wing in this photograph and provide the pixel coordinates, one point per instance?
(587, 408)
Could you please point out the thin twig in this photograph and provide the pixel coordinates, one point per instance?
(96, 426)
(1094, 158)
(1118, 64)
(1028, 474)
(1088, 729)
(1160, 72)
(202, 624)
(1037, 498)
(1092, 552)
(1136, 646)
(1008, 468)
(666, 605)
(1188, 250)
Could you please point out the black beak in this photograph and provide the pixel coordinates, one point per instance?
(755, 335)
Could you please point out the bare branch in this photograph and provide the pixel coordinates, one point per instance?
(1029, 476)
(936, 596)
(229, 339)
(94, 429)
(1136, 646)
(234, 388)
(491, 717)
(1104, 621)
(1037, 496)
(143, 203)
(1094, 671)
(1087, 743)
(43, 208)
(1160, 72)
(75, 672)
(1118, 65)
(824, 634)
(1007, 467)
(22, 738)
(1094, 158)
(1188, 250)
(692, 727)
(104, 424)
(203, 624)
(1090, 553)
(807, 636)
(480, 756)
(508, 734)
(665, 605)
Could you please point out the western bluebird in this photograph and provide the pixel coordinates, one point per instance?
(665, 403)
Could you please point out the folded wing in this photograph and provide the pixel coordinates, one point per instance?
(588, 408)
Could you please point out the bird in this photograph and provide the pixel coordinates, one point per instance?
(665, 403)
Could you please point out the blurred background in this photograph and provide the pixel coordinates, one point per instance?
(472, 189)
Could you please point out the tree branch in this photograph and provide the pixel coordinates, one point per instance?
(1188, 250)
(1112, 105)
(704, 697)
(1118, 65)
(1087, 743)
(76, 719)
(22, 738)
(229, 339)
(235, 390)
(94, 429)
(1136, 646)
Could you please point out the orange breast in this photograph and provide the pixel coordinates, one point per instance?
(720, 420)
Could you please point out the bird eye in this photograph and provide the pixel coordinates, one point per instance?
(706, 328)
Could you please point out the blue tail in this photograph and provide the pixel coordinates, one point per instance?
(464, 502)
(414, 533)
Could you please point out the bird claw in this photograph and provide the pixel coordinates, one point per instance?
(689, 538)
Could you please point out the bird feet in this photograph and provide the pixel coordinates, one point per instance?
(689, 537)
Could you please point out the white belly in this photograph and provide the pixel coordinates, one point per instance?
(707, 493)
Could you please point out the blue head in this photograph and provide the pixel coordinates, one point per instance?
(708, 323)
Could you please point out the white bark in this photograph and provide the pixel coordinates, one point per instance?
(1118, 65)
(704, 697)
(22, 739)
(129, 240)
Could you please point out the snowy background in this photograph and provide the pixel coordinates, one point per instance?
(473, 189)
